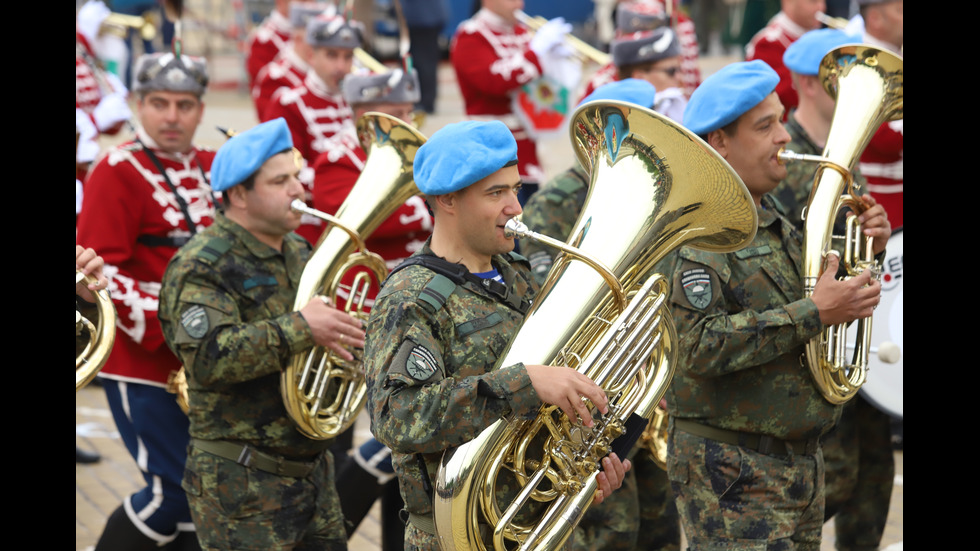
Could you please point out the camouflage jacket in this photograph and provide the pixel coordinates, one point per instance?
(429, 357)
(794, 191)
(552, 211)
(226, 307)
(742, 324)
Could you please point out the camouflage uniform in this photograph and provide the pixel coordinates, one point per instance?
(859, 462)
(641, 514)
(744, 457)
(794, 191)
(226, 307)
(430, 348)
(552, 211)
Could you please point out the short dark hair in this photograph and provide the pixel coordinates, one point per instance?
(249, 183)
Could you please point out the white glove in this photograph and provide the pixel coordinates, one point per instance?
(112, 110)
(562, 68)
(90, 18)
(550, 35)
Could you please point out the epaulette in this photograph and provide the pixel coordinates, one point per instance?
(214, 249)
(437, 291)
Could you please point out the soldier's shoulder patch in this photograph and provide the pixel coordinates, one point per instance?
(696, 283)
(420, 363)
(214, 249)
(195, 321)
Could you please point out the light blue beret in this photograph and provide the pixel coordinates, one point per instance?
(633, 90)
(461, 154)
(804, 55)
(245, 153)
(727, 94)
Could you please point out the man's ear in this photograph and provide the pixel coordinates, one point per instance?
(446, 201)
(718, 140)
(235, 196)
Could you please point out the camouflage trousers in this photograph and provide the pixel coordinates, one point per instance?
(733, 498)
(640, 515)
(860, 475)
(235, 507)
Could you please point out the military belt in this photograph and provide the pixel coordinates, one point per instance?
(758, 442)
(247, 456)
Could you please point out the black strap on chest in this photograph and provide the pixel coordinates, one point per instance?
(154, 241)
(459, 274)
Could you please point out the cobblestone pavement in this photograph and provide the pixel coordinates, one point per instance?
(100, 487)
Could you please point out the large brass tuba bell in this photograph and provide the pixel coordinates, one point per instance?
(654, 187)
(867, 83)
(324, 393)
(94, 338)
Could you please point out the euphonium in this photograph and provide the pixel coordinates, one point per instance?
(867, 83)
(654, 187)
(324, 393)
(99, 335)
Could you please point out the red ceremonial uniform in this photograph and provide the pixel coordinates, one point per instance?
(286, 71)
(89, 84)
(265, 42)
(314, 115)
(882, 164)
(132, 218)
(769, 45)
(401, 234)
(492, 60)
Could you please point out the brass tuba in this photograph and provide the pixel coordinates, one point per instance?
(323, 393)
(654, 187)
(95, 338)
(867, 83)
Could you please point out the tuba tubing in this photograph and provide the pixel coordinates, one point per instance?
(867, 83)
(101, 334)
(681, 192)
(323, 393)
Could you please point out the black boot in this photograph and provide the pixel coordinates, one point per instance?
(392, 527)
(121, 533)
(358, 490)
(82, 456)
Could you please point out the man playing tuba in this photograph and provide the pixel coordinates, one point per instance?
(744, 455)
(434, 337)
(252, 479)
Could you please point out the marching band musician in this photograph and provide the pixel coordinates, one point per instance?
(795, 17)
(336, 172)
(316, 111)
(639, 17)
(288, 69)
(99, 93)
(860, 467)
(337, 169)
(265, 42)
(744, 457)
(143, 200)
(253, 480)
(642, 514)
(494, 56)
(433, 338)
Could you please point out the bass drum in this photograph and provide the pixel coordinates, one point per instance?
(883, 387)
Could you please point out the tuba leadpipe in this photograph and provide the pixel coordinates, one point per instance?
(867, 83)
(323, 393)
(681, 192)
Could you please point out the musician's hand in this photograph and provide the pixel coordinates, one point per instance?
(611, 477)
(874, 223)
(564, 387)
(112, 111)
(551, 35)
(333, 328)
(844, 301)
(89, 264)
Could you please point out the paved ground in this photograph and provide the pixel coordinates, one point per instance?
(99, 488)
